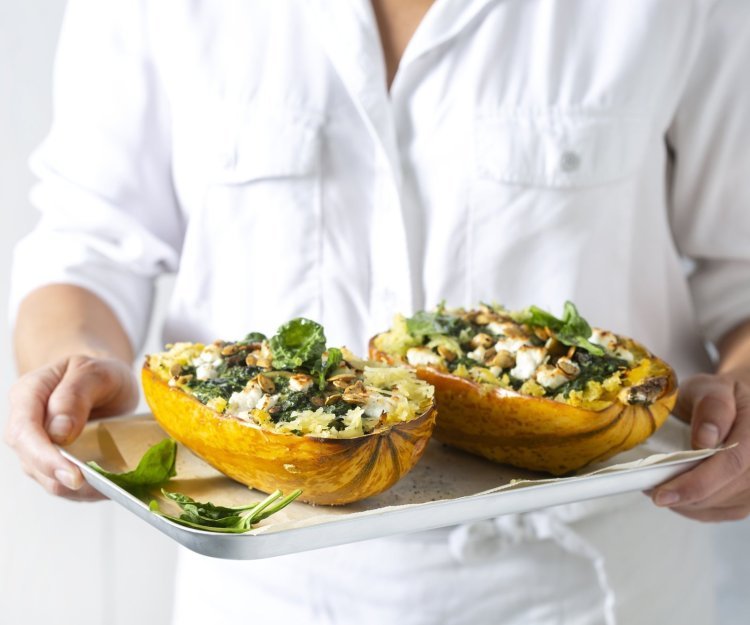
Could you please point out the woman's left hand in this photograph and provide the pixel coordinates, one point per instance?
(718, 408)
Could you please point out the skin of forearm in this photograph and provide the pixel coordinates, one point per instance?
(63, 320)
(734, 351)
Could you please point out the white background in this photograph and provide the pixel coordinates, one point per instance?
(91, 564)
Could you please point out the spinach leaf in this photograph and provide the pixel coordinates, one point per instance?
(212, 518)
(254, 337)
(155, 467)
(426, 324)
(298, 343)
(206, 513)
(327, 363)
(572, 329)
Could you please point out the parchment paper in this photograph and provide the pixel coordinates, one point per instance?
(442, 473)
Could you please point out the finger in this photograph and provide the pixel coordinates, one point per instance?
(711, 405)
(26, 435)
(88, 386)
(713, 515)
(85, 493)
(735, 493)
(711, 475)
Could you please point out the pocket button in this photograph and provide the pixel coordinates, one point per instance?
(569, 161)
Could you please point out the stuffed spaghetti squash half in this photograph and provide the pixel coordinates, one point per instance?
(531, 390)
(288, 412)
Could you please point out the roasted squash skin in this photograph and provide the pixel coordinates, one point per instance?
(537, 433)
(330, 471)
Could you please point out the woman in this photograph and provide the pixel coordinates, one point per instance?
(345, 161)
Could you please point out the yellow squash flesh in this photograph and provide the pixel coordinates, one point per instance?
(537, 433)
(328, 470)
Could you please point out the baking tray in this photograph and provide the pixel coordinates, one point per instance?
(447, 487)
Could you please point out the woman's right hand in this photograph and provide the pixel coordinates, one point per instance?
(50, 405)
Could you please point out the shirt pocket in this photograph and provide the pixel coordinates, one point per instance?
(558, 150)
(255, 244)
(550, 191)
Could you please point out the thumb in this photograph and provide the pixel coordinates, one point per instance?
(89, 386)
(708, 403)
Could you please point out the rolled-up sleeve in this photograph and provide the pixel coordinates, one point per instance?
(109, 218)
(710, 194)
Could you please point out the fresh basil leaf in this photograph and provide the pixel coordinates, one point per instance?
(155, 467)
(298, 343)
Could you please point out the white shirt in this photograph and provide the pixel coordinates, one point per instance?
(529, 151)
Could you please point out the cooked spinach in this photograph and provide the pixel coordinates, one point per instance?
(155, 467)
(338, 408)
(337, 424)
(230, 379)
(288, 403)
(462, 360)
(593, 368)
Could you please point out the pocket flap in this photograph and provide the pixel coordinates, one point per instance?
(560, 150)
(263, 144)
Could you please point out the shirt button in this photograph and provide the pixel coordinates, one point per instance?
(570, 161)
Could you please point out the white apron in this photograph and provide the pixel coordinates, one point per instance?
(625, 562)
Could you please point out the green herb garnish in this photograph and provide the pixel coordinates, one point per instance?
(156, 466)
(572, 329)
(227, 520)
(299, 343)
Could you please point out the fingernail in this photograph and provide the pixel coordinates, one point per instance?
(666, 498)
(707, 436)
(67, 479)
(60, 428)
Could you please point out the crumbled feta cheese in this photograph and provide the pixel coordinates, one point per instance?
(625, 354)
(477, 354)
(377, 404)
(495, 327)
(300, 382)
(245, 400)
(422, 356)
(205, 371)
(605, 339)
(550, 376)
(267, 402)
(511, 345)
(528, 358)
